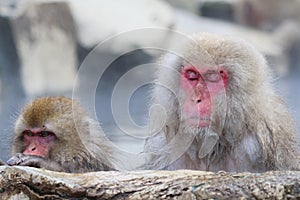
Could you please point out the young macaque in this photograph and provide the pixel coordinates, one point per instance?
(221, 111)
(55, 133)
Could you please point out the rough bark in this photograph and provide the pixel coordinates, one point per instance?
(32, 183)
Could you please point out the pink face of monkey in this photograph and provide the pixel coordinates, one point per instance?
(200, 86)
(38, 142)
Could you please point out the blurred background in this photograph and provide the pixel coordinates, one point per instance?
(43, 44)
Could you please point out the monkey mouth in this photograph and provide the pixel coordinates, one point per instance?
(199, 122)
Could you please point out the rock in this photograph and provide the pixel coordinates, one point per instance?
(280, 18)
(98, 20)
(45, 39)
(32, 183)
(9, 61)
(267, 14)
(222, 10)
(190, 23)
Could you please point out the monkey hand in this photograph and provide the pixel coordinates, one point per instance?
(26, 160)
(33, 161)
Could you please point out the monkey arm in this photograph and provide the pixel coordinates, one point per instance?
(34, 161)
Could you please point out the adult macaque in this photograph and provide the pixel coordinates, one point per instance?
(47, 136)
(226, 105)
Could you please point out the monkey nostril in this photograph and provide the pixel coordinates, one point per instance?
(196, 100)
(33, 149)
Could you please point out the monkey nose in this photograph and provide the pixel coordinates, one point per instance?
(30, 149)
(196, 100)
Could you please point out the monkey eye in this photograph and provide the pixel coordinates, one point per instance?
(191, 75)
(45, 134)
(28, 133)
(212, 76)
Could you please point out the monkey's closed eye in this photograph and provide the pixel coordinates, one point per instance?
(191, 75)
(212, 76)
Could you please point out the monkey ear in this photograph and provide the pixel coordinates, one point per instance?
(210, 140)
(224, 76)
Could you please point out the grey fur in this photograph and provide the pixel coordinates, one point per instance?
(255, 130)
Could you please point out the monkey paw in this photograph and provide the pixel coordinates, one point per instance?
(25, 160)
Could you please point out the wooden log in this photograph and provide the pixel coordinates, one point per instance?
(32, 183)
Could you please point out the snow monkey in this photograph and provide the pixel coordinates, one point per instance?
(47, 136)
(222, 98)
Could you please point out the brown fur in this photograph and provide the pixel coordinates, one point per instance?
(76, 148)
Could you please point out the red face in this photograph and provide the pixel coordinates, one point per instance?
(200, 86)
(38, 142)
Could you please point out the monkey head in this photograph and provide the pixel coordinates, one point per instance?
(45, 126)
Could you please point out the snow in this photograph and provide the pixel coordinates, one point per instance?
(98, 20)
